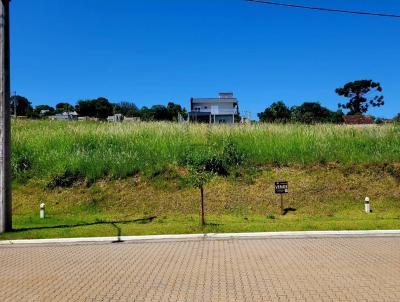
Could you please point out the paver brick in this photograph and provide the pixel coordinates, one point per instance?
(323, 269)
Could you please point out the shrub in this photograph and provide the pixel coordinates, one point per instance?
(66, 180)
(232, 155)
(21, 162)
(214, 160)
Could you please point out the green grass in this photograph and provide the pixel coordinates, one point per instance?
(44, 149)
(325, 198)
(133, 171)
(179, 224)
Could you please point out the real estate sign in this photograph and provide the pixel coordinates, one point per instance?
(281, 187)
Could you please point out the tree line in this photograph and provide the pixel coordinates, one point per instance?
(98, 108)
(360, 95)
(307, 113)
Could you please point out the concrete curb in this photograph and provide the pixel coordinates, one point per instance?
(267, 235)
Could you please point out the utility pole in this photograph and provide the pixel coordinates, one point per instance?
(5, 124)
(15, 104)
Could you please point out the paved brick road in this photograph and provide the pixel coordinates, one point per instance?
(330, 269)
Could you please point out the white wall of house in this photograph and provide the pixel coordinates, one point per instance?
(220, 107)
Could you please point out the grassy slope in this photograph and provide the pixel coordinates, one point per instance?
(326, 197)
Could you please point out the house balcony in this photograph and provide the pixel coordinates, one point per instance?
(215, 111)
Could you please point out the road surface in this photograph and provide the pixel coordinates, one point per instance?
(320, 269)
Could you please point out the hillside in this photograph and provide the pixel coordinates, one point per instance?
(91, 173)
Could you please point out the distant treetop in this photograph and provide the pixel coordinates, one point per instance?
(361, 95)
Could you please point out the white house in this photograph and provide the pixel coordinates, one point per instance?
(116, 118)
(65, 116)
(221, 110)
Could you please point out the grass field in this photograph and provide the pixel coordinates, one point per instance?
(46, 149)
(129, 172)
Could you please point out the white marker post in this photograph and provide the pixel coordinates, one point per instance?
(367, 205)
(42, 211)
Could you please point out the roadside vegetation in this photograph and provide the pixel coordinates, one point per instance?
(96, 178)
(47, 150)
(326, 197)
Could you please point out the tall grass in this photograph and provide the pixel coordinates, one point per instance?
(44, 149)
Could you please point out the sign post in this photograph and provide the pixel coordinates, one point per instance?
(281, 188)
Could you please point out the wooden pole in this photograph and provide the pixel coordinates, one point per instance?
(203, 221)
(5, 125)
(282, 209)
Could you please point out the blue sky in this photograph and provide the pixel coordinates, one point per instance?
(155, 51)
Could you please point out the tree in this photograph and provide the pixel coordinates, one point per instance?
(146, 114)
(204, 164)
(198, 178)
(62, 107)
(22, 104)
(103, 108)
(43, 110)
(160, 113)
(312, 113)
(169, 113)
(397, 118)
(174, 110)
(100, 108)
(127, 109)
(278, 112)
(86, 108)
(361, 94)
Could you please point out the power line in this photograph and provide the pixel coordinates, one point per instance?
(332, 10)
